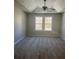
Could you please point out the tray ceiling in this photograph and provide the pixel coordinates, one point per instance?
(30, 5)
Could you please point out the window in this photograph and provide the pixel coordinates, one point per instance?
(48, 23)
(38, 23)
(44, 24)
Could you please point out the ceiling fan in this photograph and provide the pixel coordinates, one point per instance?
(44, 9)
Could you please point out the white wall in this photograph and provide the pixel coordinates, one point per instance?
(63, 27)
(20, 18)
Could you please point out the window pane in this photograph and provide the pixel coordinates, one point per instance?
(38, 20)
(48, 23)
(38, 26)
(38, 23)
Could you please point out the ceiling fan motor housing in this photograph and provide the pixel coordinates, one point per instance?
(44, 7)
(44, 0)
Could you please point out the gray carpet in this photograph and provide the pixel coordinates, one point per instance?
(40, 48)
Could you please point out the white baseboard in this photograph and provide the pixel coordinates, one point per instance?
(18, 40)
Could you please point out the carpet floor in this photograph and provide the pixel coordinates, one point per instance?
(40, 48)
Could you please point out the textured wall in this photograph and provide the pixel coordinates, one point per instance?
(19, 22)
(56, 25)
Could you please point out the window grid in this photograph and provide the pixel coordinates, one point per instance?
(43, 23)
(48, 23)
(38, 23)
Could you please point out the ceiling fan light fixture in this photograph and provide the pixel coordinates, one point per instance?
(44, 8)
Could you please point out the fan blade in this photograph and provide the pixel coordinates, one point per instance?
(52, 8)
(37, 10)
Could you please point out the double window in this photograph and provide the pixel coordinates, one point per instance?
(43, 23)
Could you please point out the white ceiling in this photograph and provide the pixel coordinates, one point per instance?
(30, 5)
